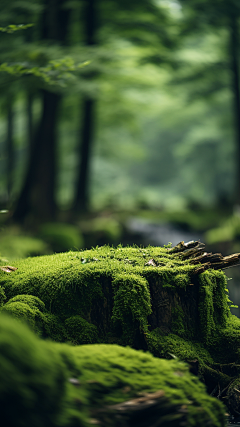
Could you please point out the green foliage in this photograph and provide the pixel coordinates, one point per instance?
(12, 28)
(58, 72)
(35, 388)
(228, 231)
(61, 237)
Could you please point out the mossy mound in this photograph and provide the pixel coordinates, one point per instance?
(148, 298)
(48, 384)
(124, 290)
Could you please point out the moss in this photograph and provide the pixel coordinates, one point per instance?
(115, 290)
(79, 331)
(225, 344)
(25, 308)
(69, 283)
(32, 378)
(213, 303)
(132, 303)
(35, 387)
(177, 324)
(2, 296)
(31, 310)
(171, 345)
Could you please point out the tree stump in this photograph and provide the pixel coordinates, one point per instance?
(172, 302)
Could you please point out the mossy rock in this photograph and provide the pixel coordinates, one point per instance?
(47, 384)
(148, 298)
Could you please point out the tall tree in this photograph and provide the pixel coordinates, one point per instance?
(37, 197)
(81, 202)
(142, 22)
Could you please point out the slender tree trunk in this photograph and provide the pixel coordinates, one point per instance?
(10, 151)
(82, 193)
(37, 196)
(234, 64)
(30, 99)
(36, 202)
(81, 201)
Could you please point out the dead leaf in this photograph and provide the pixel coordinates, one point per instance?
(8, 268)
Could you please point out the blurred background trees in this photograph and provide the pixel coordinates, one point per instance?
(146, 134)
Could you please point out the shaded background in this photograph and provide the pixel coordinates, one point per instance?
(119, 123)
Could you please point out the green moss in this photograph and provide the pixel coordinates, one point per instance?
(32, 378)
(177, 324)
(31, 310)
(2, 296)
(170, 345)
(25, 308)
(132, 303)
(103, 295)
(79, 331)
(35, 388)
(70, 283)
(213, 303)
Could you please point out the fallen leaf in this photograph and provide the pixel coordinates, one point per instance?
(8, 268)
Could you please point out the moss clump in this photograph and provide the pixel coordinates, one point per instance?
(48, 384)
(79, 331)
(32, 378)
(2, 296)
(118, 290)
(31, 310)
(70, 284)
(148, 298)
(132, 304)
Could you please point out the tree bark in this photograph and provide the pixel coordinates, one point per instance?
(10, 151)
(234, 65)
(81, 200)
(36, 202)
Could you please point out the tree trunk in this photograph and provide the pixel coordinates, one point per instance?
(10, 151)
(37, 197)
(30, 99)
(85, 149)
(36, 202)
(234, 64)
(81, 201)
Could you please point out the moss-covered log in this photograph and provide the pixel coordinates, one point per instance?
(45, 384)
(170, 301)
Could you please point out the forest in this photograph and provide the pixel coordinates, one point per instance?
(120, 131)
